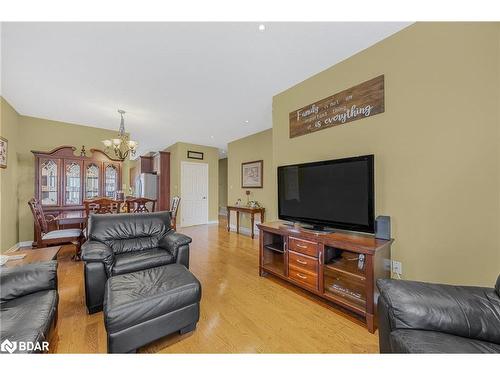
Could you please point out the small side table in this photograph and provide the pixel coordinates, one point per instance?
(249, 210)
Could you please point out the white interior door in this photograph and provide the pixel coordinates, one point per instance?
(194, 193)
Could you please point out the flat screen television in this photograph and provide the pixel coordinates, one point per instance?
(334, 194)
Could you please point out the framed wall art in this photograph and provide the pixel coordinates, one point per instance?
(3, 152)
(195, 155)
(251, 174)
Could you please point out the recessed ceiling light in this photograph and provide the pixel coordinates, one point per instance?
(246, 121)
(212, 137)
(262, 27)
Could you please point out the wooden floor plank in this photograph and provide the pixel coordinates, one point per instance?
(240, 311)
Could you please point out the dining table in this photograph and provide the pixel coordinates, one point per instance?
(73, 217)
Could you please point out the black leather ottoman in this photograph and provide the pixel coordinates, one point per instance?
(143, 306)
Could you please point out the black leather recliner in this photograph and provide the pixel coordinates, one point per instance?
(416, 317)
(124, 243)
(28, 306)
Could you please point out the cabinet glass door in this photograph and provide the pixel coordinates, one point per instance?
(49, 182)
(73, 183)
(92, 181)
(110, 181)
(273, 257)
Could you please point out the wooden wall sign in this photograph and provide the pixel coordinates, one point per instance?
(361, 101)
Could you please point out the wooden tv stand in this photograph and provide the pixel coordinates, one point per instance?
(327, 264)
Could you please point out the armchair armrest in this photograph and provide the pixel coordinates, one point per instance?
(51, 219)
(95, 251)
(31, 278)
(178, 245)
(466, 311)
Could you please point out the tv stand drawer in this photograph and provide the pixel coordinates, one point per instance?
(309, 279)
(303, 247)
(303, 262)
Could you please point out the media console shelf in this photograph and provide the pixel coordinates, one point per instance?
(340, 267)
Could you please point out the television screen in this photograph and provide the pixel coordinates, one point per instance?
(335, 193)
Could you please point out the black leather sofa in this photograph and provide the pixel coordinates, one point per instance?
(416, 317)
(123, 243)
(28, 306)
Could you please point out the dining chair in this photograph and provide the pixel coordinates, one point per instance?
(176, 200)
(140, 205)
(46, 237)
(100, 206)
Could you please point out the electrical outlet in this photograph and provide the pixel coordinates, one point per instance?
(397, 267)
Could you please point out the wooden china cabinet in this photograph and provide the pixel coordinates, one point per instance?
(64, 180)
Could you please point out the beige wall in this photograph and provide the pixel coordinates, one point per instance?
(18, 181)
(222, 183)
(255, 147)
(436, 146)
(9, 223)
(178, 154)
(134, 169)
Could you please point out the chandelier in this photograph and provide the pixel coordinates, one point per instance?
(122, 146)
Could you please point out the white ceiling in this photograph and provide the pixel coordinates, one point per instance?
(189, 82)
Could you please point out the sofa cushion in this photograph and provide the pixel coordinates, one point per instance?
(141, 260)
(28, 318)
(419, 341)
(129, 232)
(62, 233)
(27, 279)
(466, 311)
(133, 298)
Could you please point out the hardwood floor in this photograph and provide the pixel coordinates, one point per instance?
(240, 311)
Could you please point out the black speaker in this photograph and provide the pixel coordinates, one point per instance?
(383, 227)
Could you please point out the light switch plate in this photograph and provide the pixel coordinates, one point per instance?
(397, 267)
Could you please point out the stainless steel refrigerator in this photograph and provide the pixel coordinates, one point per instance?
(146, 186)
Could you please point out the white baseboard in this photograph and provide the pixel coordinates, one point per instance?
(208, 223)
(244, 230)
(18, 245)
(13, 248)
